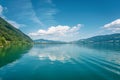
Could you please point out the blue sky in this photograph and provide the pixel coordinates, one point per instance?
(65, 20)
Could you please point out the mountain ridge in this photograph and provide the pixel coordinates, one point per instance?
(10, 34)
(101, 39)
(44, 41)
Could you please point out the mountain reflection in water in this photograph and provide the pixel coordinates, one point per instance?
(61, 62)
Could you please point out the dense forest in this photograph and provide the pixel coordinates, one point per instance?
(11, 35)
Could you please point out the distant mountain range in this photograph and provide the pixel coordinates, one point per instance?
(10, 34)
(102, 39)
(43, 41)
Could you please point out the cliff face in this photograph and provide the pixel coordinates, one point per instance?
(10, 34)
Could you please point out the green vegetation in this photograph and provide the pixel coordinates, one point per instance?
(10, 35)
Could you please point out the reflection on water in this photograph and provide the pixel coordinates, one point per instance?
(9, 54)
(61, 62)
(53, 53)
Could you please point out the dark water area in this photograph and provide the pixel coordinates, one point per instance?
(60, 62)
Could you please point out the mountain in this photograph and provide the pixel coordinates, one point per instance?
(9, 34)
(43, 41)
(102, 39)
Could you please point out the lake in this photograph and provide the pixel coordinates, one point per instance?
(60, 62)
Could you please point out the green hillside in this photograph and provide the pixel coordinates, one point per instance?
(103, 39)
(9, 34)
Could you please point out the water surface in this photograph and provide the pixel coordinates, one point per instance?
(60, 62)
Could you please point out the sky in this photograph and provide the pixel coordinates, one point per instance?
(64, 20)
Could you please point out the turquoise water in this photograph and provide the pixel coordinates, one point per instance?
(60, 62)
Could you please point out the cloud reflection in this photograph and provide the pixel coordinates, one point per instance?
(50, 53)
(54, 57)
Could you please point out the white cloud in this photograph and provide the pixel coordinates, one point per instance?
(14, 23)
(28, 9)
(59, 32)
(45, 14)
(1, 10)
(113, 26)
(35, 19)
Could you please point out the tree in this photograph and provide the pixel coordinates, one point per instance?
(2, 41)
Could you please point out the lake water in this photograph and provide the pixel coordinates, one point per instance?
(60, 62)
